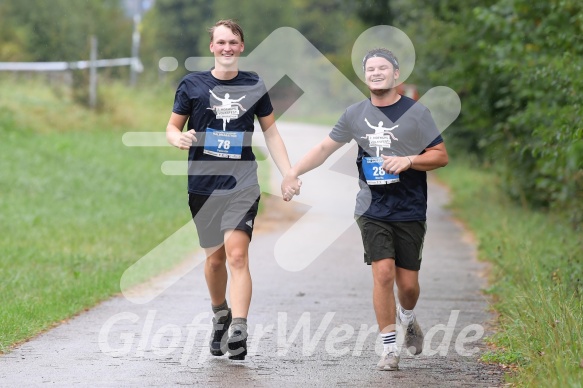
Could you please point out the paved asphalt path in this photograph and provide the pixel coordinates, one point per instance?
(311, 326)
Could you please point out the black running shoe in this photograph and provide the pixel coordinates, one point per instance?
(218, 343)
(238, 343)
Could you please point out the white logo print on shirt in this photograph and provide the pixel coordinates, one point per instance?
(379, 138)
(229, 108)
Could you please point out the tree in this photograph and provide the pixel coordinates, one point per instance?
(375, 12)
(59, 30)
(517, 67)
(537, 47)
(177, 27)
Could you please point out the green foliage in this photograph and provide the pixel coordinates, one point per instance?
(537, 279)
(374, 12)
(447, 54)
(517, 67)
(539, 50)
(177, 28)
(12, 38)
(59, 30)
(329, 25)
(502, 356)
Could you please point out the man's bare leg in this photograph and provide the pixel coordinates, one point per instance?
(408, 294)
(384, 305)
(407, 287)
(237, 250)
(215, 273)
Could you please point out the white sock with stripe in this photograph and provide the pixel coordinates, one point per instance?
(389, 340)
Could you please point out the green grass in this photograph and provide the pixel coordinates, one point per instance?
(78, 207)
(537, 279)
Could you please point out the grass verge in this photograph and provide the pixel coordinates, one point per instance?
(78, 207)
(537, 279)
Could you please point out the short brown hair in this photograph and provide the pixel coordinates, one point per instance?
(229, 23)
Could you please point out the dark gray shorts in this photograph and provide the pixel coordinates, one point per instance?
(214, 214)
(401, 241)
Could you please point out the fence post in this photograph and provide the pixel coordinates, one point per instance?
(93, 73)
(135, 48)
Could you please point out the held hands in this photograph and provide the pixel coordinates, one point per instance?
(186, 139)
(290, 186)
(396, 164)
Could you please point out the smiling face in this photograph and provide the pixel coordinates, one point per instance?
(380, 75)
(226, 47)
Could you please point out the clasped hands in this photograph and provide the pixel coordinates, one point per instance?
(290, 186)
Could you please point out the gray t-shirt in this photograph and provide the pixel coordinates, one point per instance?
(402, 129)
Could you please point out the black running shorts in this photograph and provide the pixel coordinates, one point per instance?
(401, 241)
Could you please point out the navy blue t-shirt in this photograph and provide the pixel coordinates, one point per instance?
(222, 114)
(403, 128)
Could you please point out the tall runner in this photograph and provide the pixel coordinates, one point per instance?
(220, 106)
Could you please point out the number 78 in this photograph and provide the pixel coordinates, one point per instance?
(224, 144)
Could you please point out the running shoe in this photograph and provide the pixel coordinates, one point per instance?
(413, 335)
(221, 323)
(389, 360)
(237, 342)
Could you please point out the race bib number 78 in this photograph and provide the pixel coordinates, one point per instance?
(223, 144)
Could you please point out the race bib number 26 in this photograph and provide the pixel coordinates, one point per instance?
(374, 173)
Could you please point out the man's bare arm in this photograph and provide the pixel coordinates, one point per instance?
(275, 143)
(174, 134)
(314, 158)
